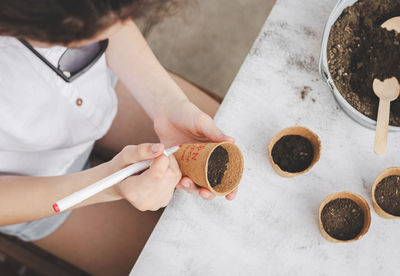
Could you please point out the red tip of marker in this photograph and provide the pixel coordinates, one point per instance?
(180, 146)
(55, 207)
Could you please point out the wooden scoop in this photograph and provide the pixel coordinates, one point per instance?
(393, 24)
(387, 91)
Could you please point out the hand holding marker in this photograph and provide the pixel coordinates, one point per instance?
(105, 183)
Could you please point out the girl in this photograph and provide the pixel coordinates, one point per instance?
(57, 99)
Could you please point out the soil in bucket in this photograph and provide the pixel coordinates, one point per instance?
(342, 219)
(217, 165)
(387, 194)
(360, 50)
(293, 153)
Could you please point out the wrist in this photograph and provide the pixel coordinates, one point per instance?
(114, 192)
(100, 172)
(166, 107)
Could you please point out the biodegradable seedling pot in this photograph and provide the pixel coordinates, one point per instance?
(301, 131)
(360, 201)
(386, 173)
(193, 162)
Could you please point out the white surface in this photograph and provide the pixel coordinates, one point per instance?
(272, 226)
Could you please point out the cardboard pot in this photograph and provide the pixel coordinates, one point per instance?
(360, 201)
(301, 131)
(193, 162)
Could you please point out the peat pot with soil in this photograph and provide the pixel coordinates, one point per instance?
(215, 166)
(294, 151)
(344, 217)
(386, 193)
(355, 51)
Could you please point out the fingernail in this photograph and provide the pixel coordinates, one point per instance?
(186, 184)
(156, 147)
(206, 195)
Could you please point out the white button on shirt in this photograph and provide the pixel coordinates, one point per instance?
(48, 126)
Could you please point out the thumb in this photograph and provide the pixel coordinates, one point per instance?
(212, 132)
(132, 154)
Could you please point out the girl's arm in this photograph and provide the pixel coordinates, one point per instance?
(25, 198)
(131, 58)
(176, 120)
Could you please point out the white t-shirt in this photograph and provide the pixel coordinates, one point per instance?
(48, 126)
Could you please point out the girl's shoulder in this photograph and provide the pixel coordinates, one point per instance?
(18, 66)
(12, 54)
(10, 48)
(8, 41)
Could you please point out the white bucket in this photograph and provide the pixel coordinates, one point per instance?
(325, 74)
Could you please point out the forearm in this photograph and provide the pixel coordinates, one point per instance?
(131, 58)
(25, 198)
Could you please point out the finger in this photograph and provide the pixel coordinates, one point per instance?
(158, 168)
(132, 154)
(211, 131)
(231, 195)
(174, 170)
(187, 190)
(173, 164)
(187, 185)
(206, 194)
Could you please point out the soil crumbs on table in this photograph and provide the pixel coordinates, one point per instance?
(217, 165)
(293, 153)
(342, 219)
(387, 194)
(359, 51)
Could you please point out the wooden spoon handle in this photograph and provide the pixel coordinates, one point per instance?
(382, 126)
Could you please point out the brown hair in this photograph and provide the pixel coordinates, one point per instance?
(65, 21)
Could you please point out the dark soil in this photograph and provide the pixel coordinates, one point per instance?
(305, 91)
(217, 164)
(293, 153)
(342, 219)
(359, 51)
(387, 194)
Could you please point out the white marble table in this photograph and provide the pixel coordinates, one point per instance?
(272, 226)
